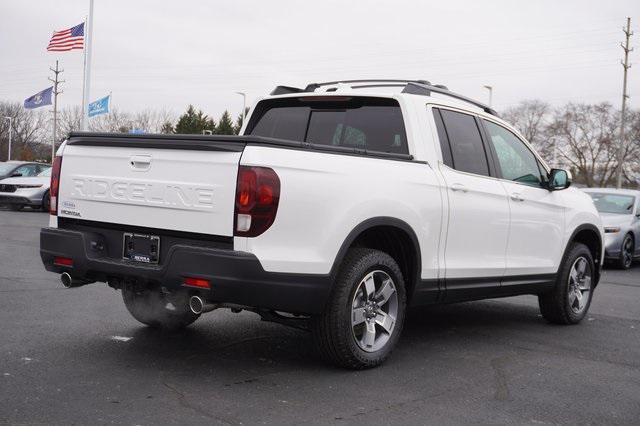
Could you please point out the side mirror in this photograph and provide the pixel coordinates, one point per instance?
(559, 179)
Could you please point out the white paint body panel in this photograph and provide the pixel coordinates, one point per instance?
(478, 225)
(323, 197)
(191, 191)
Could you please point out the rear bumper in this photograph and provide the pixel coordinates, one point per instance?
(235, 277)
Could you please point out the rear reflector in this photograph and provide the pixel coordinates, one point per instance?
(62, 261)
(197, 282)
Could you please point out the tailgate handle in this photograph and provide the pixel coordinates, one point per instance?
(140, 162)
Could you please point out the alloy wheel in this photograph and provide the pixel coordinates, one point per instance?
(579, 284)
(374, 311)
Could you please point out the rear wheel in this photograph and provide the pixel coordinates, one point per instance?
(570, 299)
(156, 309)
(626, 253)
(365, 314)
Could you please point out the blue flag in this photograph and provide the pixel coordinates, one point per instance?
(101, 106)
(39, 99)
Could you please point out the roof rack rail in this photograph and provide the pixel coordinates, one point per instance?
(414, 87)
(313, 86)
(426, 89)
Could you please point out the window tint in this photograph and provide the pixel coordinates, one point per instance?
(467, 150)
(374, 124)
(444, 141)
(283, 123)
(27, 170)
(517, 162)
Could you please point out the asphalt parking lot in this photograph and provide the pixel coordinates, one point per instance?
(77, 357)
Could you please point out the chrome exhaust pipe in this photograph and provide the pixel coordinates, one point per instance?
(69, 282)
(199, 306)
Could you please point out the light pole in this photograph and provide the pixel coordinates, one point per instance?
(490, 89)
(10, 129)
(244, 104)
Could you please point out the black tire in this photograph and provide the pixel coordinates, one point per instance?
(149, 306)
(46, 202)
(333, 335)
(555, 305)
(625, 260)
(16, 207)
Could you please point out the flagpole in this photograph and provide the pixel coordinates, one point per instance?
(86, 89)
(84, 77)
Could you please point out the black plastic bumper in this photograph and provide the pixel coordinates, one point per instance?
(235, 277)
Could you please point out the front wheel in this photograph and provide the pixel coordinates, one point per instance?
(365, 314)
(46, 202)
(156, 309)
(570, 299)
(626, 253)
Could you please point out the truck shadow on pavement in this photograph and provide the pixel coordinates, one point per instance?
(241, 342)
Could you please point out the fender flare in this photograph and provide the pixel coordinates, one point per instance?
(578, 229)
(371, 223)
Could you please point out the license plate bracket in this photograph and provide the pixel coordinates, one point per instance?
(141, 248)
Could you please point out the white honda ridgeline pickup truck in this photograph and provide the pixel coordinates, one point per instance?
(339, 206)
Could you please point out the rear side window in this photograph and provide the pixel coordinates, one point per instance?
(467, 150)
(372, 124)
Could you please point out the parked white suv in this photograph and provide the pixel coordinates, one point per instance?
(339, 206)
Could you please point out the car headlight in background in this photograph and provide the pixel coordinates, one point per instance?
(611, 229)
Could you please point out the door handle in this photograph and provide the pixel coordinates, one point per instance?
(515, 196)
(458, 187)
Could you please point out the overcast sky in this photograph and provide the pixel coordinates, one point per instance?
(172, 53)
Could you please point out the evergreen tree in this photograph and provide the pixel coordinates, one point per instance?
(225, 125)
(239, 123)
(194, 122)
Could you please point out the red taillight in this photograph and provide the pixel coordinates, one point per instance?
(62, 261)
(55, 185)
(257, 196)
(197, 282)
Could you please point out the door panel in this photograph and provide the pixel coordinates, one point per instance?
(537, 214)
(537, 224)
(477, 233)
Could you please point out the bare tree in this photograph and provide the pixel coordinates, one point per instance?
(531, 118)
(29, 128)
(69, 120)
(586, 136)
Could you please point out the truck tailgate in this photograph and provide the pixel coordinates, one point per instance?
(150, 186)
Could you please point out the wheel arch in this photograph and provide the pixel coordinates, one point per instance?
(391, 235)
(589, 235)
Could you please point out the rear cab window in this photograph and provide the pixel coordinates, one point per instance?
(461, 142)
(366, 123)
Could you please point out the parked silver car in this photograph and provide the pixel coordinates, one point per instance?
(21, 168)
(33, 191)
(620, 213)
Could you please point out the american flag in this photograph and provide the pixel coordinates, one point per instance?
(69, 39)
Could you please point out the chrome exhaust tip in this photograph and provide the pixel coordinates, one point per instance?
(196, 304)
(199, 306)
(66, 280)
(69, 282)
